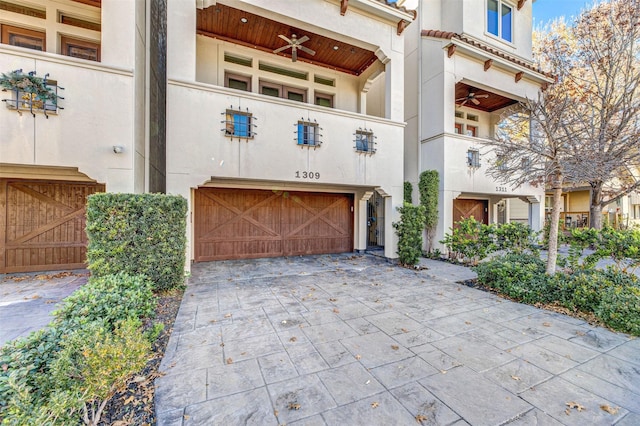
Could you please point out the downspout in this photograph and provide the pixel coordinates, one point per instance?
(419, 156)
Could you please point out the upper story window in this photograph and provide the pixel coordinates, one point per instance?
(365, 141)
(473, 158)
(324, 100)
(280, 91)
(80, 49)
(23, 37)
(239, 82)
(500, 19)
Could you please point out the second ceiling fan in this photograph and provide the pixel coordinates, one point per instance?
(473, 97)
(295, 43)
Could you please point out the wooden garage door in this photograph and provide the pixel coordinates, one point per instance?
(464, 209)
(43, 225)
(240, 224)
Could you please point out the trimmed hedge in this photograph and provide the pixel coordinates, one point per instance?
(138, 234)
(409, 230)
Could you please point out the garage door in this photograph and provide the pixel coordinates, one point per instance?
(43, 225)
(240, 224)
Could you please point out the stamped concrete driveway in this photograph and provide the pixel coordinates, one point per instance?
(354, 340)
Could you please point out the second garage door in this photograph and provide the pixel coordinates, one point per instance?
(242, 223)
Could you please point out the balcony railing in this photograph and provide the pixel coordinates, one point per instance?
(571, 220)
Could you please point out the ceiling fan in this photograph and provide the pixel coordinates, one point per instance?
(471, 97)
(295, 43)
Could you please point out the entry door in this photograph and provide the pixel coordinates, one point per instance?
(464, 209)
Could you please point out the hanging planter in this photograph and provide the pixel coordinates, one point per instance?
(32, 93)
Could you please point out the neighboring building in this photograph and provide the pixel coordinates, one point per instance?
(203, 98)
(468, 62)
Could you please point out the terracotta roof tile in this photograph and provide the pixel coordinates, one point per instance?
(400, 8)
(475, 43)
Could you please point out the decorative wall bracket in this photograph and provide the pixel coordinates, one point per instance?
(31, 93)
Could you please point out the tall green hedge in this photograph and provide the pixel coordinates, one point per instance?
(409, 230)
(138, 234)
(428, 187)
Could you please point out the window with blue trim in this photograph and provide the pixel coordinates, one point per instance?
(238, 124)
(308, 133)
(365, 141)
(500, 19)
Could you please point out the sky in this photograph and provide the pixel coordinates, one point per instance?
(547, 10)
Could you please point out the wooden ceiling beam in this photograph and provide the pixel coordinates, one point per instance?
(520, 4)
(402, 25)
(344, 5)
(451, 49)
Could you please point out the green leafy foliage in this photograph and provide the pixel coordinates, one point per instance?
(92, 345)
(613, 296)
(409, 231)
(470, 241)
(620, 309)
(408, 193)
(515, 237)
(428, 187)
(138, 234)
(109, 298)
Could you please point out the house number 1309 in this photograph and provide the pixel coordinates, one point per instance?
(307, 175)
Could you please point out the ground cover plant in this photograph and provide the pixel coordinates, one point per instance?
(611, 294)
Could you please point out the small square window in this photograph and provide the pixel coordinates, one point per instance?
(22, 37)
(472, 131)
(80, 49)
(365, 141)
(473, 158)
(308, 134)
(459, 114)
(324, 100)
(238, 124)
(238, 82)
(458, 128)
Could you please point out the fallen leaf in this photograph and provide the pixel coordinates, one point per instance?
(404, 330)
(294, 406)
(243, 353)
(468, 322)
(336, 311)
(186, 417)
(395, 347)
(443, 371)
(276, 412)
(333, 300)
(293, 339)
(374, 405)
(609, 409)
(575, 405)
(358, 356)
(546, 324)
(227, 315)
(229, 361)
(515, 377)
(222, 345)
(420, 418)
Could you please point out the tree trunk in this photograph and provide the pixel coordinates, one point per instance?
(554, 224)
(595, 209)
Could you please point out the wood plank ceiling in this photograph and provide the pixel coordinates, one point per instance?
(492, 103)
(247, 29)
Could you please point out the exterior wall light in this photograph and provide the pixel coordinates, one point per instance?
(118, 149)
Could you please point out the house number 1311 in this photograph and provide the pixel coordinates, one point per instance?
(307, 175)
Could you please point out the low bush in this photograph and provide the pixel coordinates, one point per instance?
(620, 309)
(139, 234)
(470, 241)
(64, 374)
(613, 296)
(110, 298)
